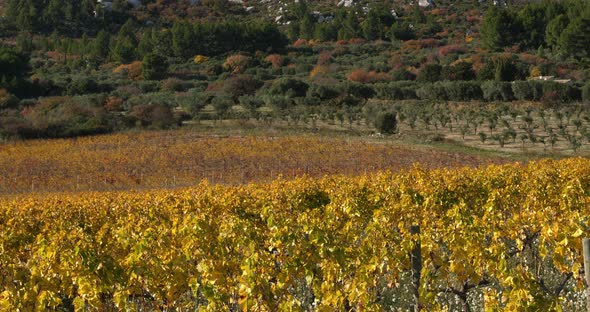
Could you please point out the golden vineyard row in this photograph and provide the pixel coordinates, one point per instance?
(500, 238)
(182, 158)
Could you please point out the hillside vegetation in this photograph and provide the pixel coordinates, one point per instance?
(161, 64)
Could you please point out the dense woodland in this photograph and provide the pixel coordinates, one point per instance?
(72, 68)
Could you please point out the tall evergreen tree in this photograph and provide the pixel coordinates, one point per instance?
(350, 27)
(100, 47)
(182, 40)
(372, 28)
(125, 49)
(498, 29)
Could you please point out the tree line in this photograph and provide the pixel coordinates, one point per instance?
(561, 27)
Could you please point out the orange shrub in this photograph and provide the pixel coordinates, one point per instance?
(300, 42)
(236, 63)
(362, 76)
(275, 60)
(132, 70)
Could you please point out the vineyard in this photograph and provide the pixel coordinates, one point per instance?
(505, 237)
(183, 158)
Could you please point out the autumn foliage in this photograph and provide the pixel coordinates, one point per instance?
(133, 70)
(363, 76)
(275, 60)
(263, 247)
(236, 63)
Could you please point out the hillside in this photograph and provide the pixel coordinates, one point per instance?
(113, 66)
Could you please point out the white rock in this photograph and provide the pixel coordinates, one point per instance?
(425, 3)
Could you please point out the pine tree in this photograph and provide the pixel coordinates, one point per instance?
(372, 27)
(125, 50)
(350, 28)
(100, 46)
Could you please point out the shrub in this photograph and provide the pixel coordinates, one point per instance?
(289, 87)
(241, 85)
(275, 60)
(322, 92)
(192, 102)
(132, 71)
(152, 115)
(300, 42)
(386, 122)
(362, 76)
(173, 85)
(402, 74)
(82, 85)
(358, 90)
(7, 100)
(430, 73)
(236, 63)
(200, 59)
(450, 49)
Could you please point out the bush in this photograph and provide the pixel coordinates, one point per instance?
(430, 73)
(400, 90)
(402, 75)
(192, 102)
(275, 60)
(362, 76)
(288, 86)
(241, 85)
(497, 91)
(386, 122)
(323, 92)
(82, 85)
(200, 59)
(173, 85)
(132, 71)
(7, 100)
(358, 90)
(236, 63)
(157, 116)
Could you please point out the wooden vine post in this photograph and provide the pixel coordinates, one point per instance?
(586, 248)
(416, 262)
